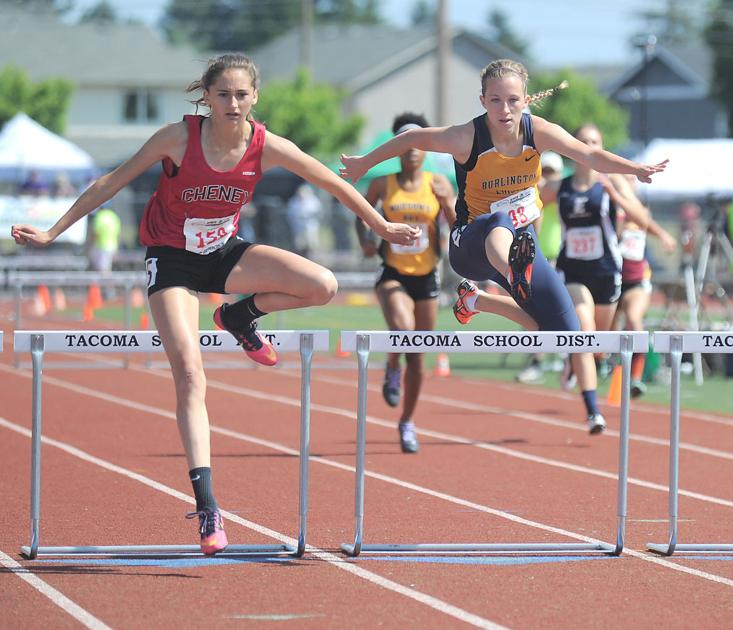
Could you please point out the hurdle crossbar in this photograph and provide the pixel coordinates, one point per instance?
(363, 342)
(676, 344)
(39, 341)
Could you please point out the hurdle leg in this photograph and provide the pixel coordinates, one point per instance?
(362, 355)
(674, 449)
(306, 356)
(627, 346)
(18, 308)
(31, 551)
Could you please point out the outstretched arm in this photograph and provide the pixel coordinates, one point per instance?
(279, 151)
(455, 140)
(551, 136)
(169, 141)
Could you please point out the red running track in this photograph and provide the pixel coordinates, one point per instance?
(498, 463)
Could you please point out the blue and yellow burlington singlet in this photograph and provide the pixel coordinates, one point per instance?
(489, 181)
(420, 208)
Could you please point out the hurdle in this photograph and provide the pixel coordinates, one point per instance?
(38, 342)
(625, 343)
(676, 344)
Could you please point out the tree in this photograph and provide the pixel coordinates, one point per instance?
(248, 24)
(579, 104)
(56, 6)
(675, 23)
(308, 114)
(719, 36)
(46, 101)
(101, 13)
(422, 13)
(502, 32)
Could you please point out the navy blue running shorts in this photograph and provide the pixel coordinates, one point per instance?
(550, 305)
(206, 273)
(605, 289)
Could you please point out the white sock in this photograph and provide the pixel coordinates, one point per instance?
(470, 302)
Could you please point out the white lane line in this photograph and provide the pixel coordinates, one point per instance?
(532, 417)
(350, 415)
(337, 561)
(84, 617)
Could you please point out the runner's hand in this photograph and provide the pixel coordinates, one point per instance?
(353, 168)
(400, 233)
(25, 234)
(645, 171)
(442, 190)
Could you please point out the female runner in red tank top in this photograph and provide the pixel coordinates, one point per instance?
(211, 165)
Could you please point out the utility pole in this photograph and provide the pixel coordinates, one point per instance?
(443, 52)
(306, 35)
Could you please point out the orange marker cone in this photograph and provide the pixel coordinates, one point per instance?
(59, 299)
(88, 313)
(94, 297)
(137, 299)
(44, 297)
(339, 352)
(144, 322)
(442, 365)
(614, 389)
(39, 307)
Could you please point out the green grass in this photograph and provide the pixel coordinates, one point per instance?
(713, 395)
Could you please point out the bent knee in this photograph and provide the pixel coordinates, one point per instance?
(323, 289)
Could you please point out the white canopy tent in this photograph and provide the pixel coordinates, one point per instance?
(28, 146)
(696, 169)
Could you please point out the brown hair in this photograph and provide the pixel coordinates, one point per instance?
(501, 68)
(216, 66)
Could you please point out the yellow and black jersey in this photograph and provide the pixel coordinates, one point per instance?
(488, 177)
(420, 208)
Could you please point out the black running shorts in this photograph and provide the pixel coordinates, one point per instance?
(425, 287)
(207, 273)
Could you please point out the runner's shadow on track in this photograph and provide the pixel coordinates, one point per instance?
(267, 455)
(89, 570)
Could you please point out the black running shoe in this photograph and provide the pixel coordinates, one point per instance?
(521, 259)
(255, 346)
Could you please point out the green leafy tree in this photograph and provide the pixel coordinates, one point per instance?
(580, 103)
(47, 101)
(423, 12)
(719, 36)
(308, 114)
(501, 31)
(56, 6)
(248, 24)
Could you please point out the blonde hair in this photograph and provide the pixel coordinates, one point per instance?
(501, 68)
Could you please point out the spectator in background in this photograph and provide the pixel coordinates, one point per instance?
(304, 213)
(689, 230)
(62, 187)
(341, 226)
(103, 239)
(33, 185)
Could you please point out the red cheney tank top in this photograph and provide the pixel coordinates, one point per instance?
(195, 207)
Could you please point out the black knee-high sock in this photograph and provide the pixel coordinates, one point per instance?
(201, 482)
(241, 314)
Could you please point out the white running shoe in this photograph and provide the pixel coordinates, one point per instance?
(596, 423)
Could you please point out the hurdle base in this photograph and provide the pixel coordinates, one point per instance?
(160, 551)
(483, 548)
(664, 549)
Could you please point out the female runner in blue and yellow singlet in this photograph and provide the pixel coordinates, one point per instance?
(408, 285)
(497, 160)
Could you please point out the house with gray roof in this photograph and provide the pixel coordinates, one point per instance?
(667, 95)
(386, 70)
(128, 82)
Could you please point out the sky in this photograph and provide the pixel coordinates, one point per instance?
(560, 32)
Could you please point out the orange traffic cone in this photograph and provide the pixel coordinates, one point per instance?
(94, 297)
(216, 298)
(442, 365)
(59, 299)
(144, 321)
(339, 352)
(44, 296)
(614, 389)
(88, 313)
(39, 306)
(137, 299)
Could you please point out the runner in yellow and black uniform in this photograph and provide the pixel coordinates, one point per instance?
(409, 284)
